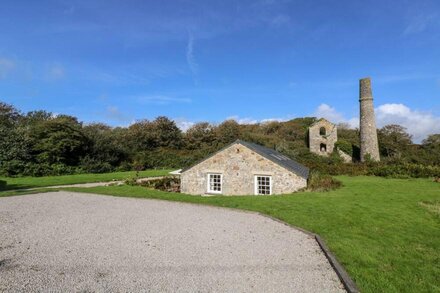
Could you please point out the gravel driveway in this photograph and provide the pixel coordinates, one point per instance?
(68, 242)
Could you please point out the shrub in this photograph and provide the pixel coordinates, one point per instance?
(321, 182)
(12, 168)
(404, 170)
(168, 183)
(2, 184)
(89, 165)
(44, 169)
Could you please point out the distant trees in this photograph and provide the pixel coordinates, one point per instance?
(40, 143)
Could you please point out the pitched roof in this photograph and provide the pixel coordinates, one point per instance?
(269, 154)
(320, 120)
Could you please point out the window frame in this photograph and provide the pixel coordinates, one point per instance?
(256, 184)
(209, 183)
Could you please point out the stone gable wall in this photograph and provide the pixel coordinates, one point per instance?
(316, 139)
(239, 165)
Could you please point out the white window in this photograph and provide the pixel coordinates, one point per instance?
(215, 183)
(263, 185)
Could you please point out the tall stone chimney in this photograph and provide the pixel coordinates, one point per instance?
(369, 144)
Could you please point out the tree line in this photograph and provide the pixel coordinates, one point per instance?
(39, 143)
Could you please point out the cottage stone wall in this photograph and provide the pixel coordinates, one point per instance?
(316, 140)
(239, 165)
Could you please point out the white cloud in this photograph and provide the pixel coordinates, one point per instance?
(419, 124)
(248, 120)
(162, 100)
(7, 66)
(330, 113)
(183, 124)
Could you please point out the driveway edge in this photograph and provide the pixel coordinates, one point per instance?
(344, 277)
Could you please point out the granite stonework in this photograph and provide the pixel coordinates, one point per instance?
(322, 137)
(368, 132)
(239, 165)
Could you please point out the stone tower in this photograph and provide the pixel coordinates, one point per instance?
(322, 137)
(369, 144)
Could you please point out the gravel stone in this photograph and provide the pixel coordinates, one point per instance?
(64, 242)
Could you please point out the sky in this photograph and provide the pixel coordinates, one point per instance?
(120, 61)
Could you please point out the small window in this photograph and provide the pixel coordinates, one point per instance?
(263, 185)
(323, 148)
(322, 131)
(215, 183)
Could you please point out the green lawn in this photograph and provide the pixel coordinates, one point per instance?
(386, 232)
(35, 182)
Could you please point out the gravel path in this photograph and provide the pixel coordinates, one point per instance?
(65, 242)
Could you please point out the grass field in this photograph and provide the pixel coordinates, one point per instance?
(36, 182)
(386, 232)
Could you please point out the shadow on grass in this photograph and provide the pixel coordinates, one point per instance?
(10, 187)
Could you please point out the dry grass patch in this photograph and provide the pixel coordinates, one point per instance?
(432, 206)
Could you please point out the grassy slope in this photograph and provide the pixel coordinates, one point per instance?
(377, 228)
(34, 182)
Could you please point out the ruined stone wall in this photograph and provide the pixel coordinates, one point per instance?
(316, 139)
(239, 165)
(368, 131)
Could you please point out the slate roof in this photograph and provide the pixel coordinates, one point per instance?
(269, 154)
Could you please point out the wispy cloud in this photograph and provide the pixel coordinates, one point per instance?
(190, 59)
(281, 20)
(113, 113)
(421, 23)
(7, 66)
(162, 100)
(56, 72)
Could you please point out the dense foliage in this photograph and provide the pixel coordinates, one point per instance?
(40, 143)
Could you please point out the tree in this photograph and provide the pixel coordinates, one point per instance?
(199, 135)
(104, 151)
(227, 132)
(14, 146)
(431, 146)
(141, 136)
(59, 141)
(167, 133)
(9, 115)
(394, 141)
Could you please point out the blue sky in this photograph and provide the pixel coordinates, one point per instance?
(118, 61)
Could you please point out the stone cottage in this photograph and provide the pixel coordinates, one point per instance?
(244, 168)
(322, 137)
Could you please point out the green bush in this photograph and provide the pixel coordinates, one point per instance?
(89, 165)
(2, 184)
(348, 148)
(404, 170)
(168, 183)
(321, 182)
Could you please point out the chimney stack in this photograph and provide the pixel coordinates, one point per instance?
(369, 143)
